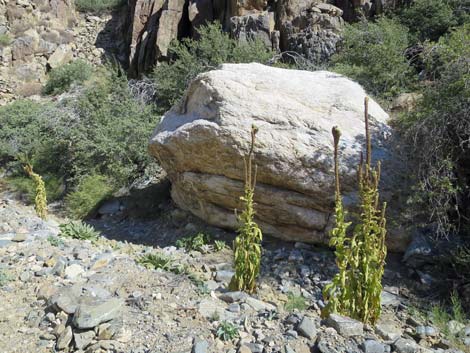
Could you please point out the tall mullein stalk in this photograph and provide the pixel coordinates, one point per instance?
(247, 245)
(335, 293)
(355, 291)
(40, 200)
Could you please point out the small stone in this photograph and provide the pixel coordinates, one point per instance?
(200, 346)
(89, 316)
(59, 268)
(454, 327)
(288, 349)
(224, 276)
(345, 326)
(259, 305)
(83, 339)
(73, 271)
(233, 297)
(292, 333)
(19, 237)
(65, 300)
(25, 276)
(307, 328)
(244, 349)
(234, 308)
(426, 331)
(255, 347)
(467, 331)
(372, 346)
(388, 330)
(65, 338)
(102, 261)
(404, 345)
(466, 341)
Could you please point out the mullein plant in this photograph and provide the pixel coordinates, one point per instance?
(355, 290)
(247, 245)
(40, 200)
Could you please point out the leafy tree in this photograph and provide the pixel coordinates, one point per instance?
(62, 78)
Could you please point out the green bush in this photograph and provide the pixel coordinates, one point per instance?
(98, 5)
(62, 78)
(24, 185)
(437, 133)
(90, 192)
(428, 19)
(100, 130)
(192, 57)
(373, 54)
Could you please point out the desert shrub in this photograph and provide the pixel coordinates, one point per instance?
(156, 261)
(373, 54)
(428, 19)
(437, 132)
(191, 57)
(355, 290)
(247, 244)
(25, 186)
(90, 192)
(98, 5)
(78, 230)
(5, 40)
(63, 77)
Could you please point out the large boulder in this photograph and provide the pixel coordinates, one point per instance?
(201, 143)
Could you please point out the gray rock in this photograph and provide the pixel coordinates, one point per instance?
(259, 305)
(89, 316)
(292, 333)
(233, 297)
(426, 331)
(65, 338)
(234, 308)
(59, 267)
(65, 300)
(200, 346)
(83, 339)
(389, 299)
(307, 328)
(455, 327)
(25, 276)
(288, 349)
(110, 207)
(73, 271)
(345, 326)
(404, 345)
(224, 276)
(388, 330)
(255, 347)
(466, 332)
(372, 346)
(466, 341)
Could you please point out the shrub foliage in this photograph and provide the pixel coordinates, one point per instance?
(373, 54)
(191, 57)
(355, 291)
(62, 78)
(247, 245)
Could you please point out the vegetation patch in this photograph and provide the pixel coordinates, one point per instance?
(62, 78)
(98, 5)
(78, 230)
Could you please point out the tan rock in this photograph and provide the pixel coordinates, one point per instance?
(62, 55)
(202, 141)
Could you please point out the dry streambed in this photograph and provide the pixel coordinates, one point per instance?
(61, 294)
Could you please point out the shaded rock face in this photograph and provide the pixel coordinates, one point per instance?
(309, 27)
(202, 141)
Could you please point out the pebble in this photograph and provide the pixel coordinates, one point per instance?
(224, 276)
(200, 346)
(233, 297)
(259, 305)
(73, 271)
(388, 330)
(345, 326)
(372, 346)
(65, 338)
(83, 339)
(307, 328)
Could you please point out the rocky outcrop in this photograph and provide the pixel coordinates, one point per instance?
(39, 35)
(308, 27)
(202, 141)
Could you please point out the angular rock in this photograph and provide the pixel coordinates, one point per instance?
(294, 111)
(388, 330)
(345, 326)
(404, 345)
(62, 55)
(88, 316)
(65, 338)
(232, 297)
(372, 346)
(259, 305)
(83, 339)
(200, 346)
(307, 328)
(64, 299)
(224, 276)
(73, 271)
